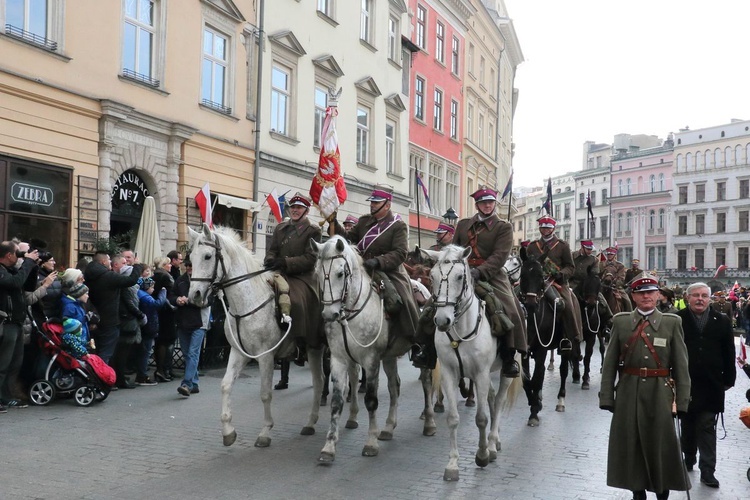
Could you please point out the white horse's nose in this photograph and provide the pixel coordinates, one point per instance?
(443, 322)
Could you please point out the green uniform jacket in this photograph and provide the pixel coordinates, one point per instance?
(292, 242)
(494, 242)
(644, 453)
(390, 248)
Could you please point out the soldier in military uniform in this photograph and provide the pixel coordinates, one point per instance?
(583, 260)
(349, 222)
(613, 267)
(634, 270)
(559, 267)
(490, 239)
(382, 239)
(290, 255)
(722, 305)
(443, 236)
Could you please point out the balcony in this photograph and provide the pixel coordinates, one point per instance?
(706, 274)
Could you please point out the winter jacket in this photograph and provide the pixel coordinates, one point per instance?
(189, 317)
(12, 283)
(105, 287)
(71, 308)
(150, 306)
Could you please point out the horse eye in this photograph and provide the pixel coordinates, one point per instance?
(340, 274)
(207, 256)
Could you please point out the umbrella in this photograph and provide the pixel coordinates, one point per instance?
(147, 246)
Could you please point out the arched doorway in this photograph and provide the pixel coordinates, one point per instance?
(128, 195)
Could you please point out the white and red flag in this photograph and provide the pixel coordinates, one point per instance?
(203, 200)
(273, 202)
(328, 190)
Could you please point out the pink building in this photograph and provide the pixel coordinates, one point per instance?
(640, 204)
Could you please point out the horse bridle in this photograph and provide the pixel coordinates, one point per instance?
(350, 313)
(457, 310)
(214, 283)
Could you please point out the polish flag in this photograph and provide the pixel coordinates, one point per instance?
(720, 271)
(203, 200)
(273, 202)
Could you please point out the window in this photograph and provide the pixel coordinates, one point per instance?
(326, 7)
(581, 200)
(480, 130)
(604, 196)
(652, 219)
(280, 99)
(721, 191)
(581, 226)
(454, 119)
(490, 138)
(390, 146)
(742, 257)
(700, 224)
(419, 99)
(455, 48)
(700, 193)
(604, 224)
(451, 188)
(652, 183)
(700, 259)
(491, 83)
(365, 21)
(683, 195)
(363, 135)
(592, 196)
(629, 187)
(321, 103)
(742, 221)
(440, 42)
(481, 70)
(214, 71)
(619, 222)
(421, 27)
(437, 111)
(138, 41)
(661, 219)
(682, 225)
(470, 122)
(566, 213)
(393, 37)
(682, 259)
(744, 189)
(470, 58)
(662, 185)
(435, 186)
(38, 22)
(721, 222)
(721, 256)
(620, 188)
(628, 222)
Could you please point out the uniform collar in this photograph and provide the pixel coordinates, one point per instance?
(489, 221)
(654, 319)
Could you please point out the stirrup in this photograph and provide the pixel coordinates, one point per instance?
(566, 345)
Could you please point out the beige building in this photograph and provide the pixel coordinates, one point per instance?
(493, 53)
(102, 106)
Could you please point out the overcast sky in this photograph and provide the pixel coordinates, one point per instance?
(596, 68)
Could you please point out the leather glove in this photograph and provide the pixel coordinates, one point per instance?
(610, 409)
(475, 274)
(143, 321)
(278, 263)
(558, 278)
(681, 414)
(371, 264)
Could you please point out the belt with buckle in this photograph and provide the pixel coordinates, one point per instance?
(647, 372)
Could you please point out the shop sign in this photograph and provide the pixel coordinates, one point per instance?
(87, 215)
(129, 189)
(84, 224)
(88, 235)
(87, 246)
(31, 194)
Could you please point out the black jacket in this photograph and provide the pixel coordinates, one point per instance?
(189, 315)
(104, 290)
(12, 283)
(711, 360)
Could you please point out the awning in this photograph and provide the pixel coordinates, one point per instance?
(234, 202)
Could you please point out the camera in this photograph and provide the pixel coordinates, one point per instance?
(20, 254)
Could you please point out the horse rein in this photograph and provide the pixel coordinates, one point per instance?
(535, 296)
(457, 311)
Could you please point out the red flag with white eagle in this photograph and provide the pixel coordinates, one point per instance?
(328, 190)
(203, 200)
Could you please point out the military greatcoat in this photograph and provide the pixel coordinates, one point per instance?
(644, 452)
(582, 263)
(617, 269)
(291, 241)
(390, 249)
(494, 238)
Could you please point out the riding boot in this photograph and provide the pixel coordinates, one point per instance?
(639, 495)
(301, 353)
(284, 382)
(664, 495)
(510, 365)
(424, 355)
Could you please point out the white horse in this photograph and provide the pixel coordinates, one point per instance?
(513, 268)
(222, 262)
(357, 334)
(466, 348)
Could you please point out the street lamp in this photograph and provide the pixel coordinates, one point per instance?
(450, 217)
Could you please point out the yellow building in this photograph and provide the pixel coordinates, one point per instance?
(101, 106)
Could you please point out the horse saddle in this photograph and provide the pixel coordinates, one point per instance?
(392, 302)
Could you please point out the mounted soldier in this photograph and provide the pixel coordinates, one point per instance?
(614, 267)
(634, 270)
(584, 259)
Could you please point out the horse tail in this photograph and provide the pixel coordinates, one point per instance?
(436, 378)
(515, 387)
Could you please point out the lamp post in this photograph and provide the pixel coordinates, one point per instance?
(450, 217)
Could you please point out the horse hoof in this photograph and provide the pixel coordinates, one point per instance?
(263, 442)
(493, 456)
(369, 451)
(576, 380)
(323, 400)
(230, 438)
(585, 385)
(471, 403)
(450, 475)
(439, 408)
(326, 458)
(307, 431)
(482, 462)
(560, 408)
(533, 422)
(429, 431)
(351, 424)
(551, 367)
(385, 436)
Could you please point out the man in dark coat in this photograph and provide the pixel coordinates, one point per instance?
(290, 254)
(382, 239)
(634, 270)
(710, 345)
(104, 291)
(645, 351)
(612, 266)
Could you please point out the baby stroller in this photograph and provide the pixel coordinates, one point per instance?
(63, 374)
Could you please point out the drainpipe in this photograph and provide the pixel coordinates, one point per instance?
(258, 89)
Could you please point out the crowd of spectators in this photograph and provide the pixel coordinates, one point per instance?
(123, 310)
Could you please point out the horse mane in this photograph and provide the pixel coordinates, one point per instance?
(235, 248)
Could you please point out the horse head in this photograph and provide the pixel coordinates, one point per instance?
(336, 265)
(532, 279)
(591, 286)
(512, 266)
(452, 286)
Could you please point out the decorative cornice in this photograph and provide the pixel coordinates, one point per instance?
(227, 7)
(394, 101)
(328, 64)
(369, 86)
(288, 41)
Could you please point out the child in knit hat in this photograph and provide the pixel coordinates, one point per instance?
(74, 299)
(72, 338)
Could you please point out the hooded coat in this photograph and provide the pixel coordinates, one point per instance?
(644, 452)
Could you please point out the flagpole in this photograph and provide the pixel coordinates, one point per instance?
(588, 223)
(510, 202)
(419, 224)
